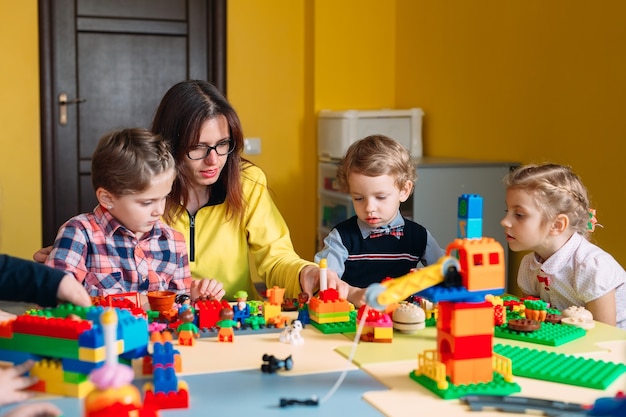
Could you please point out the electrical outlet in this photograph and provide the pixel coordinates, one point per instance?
(252, 146)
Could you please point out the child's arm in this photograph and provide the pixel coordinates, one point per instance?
(22, 280)
(72, 291)
(603, 308)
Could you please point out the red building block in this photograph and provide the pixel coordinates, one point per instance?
(163, 401)
(59, 328)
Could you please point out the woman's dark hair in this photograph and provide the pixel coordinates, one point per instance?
(179, 119)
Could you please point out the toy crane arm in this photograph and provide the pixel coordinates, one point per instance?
(379, 296)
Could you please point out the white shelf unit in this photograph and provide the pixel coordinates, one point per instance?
(333, 205)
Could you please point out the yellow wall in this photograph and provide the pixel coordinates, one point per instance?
(292, 59)
(525, 81)
(20, 172)
(266, 85)
(530, 81)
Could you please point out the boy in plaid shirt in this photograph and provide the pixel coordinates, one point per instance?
(123, 246)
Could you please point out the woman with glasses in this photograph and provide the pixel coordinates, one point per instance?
(220, 201)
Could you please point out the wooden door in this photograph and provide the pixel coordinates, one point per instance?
(105, 65)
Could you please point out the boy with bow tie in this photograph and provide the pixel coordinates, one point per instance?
(378, 242)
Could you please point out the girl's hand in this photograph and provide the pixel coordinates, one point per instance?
(13, 383)
(207, 288)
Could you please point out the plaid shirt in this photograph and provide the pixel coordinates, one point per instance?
(108, 259)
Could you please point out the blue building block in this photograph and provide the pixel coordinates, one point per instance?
(470, 206)
(16, 357)
(164, 380)
(92, 338)
(469, 229)
(78, 366)
(457, 294)
(163, 354)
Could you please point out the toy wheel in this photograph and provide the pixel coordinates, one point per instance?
(288, 364)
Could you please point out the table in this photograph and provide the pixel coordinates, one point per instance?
(226, 377)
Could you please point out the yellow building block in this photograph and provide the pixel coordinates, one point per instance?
(270, 311)
(98, 354)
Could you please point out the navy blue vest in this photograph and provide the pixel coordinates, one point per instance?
(372, 260)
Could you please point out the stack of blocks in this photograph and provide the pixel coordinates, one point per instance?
(67, 343)
(378, 326)
(272, 308)
(331, 314)
(470, 217)
(464, 337)
(166, 390)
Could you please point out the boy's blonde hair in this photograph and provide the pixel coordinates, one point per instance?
(377, 155)
(556, 190)
(125, 161)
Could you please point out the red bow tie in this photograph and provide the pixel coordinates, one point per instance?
(387, 231)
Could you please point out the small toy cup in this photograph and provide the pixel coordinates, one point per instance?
(161, 300)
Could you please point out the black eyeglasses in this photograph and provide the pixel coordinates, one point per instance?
(202, 151)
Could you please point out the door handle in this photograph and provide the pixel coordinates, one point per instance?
(63, 103)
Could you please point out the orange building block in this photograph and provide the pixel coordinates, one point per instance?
(482, 260)
(470, 371)
(275, 295)
(464, 319)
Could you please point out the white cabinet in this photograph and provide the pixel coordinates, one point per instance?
(441, 181)
(434, 202)
(337, 130)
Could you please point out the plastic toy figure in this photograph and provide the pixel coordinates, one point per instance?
(273, 364)
(289, 304)
(241, 309)
(291, 334)
(303, 309)
(187, 331)
(226, 324)
(184, 302)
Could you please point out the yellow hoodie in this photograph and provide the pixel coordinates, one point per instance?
(224, 250)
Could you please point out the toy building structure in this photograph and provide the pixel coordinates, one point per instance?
(272, 307)
(327, 312)
(330, 314)
(166, 391)
(67, 343)
(378, 326)
(465, 323)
